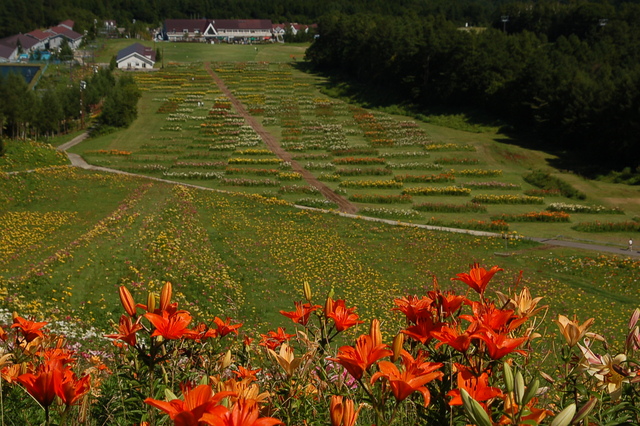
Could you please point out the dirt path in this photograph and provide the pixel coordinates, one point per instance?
(343, 204)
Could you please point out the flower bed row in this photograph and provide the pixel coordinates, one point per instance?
(370, 184)
(534, 217)
(626, 226)
(442, 177)
(506, 199)
(450, 208)
(581, 208)
(381, 199)
(434, 190)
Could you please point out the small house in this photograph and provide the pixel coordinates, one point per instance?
(136, 57)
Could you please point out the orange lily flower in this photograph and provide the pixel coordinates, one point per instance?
(344, 317)
(447, 303)
(498, 320)
(530, 415)
(342, 411)
(477, 386)
(478, 277)
(499, 345)
(70, 389)
(356, 360)
(243, 413)
(273, 339)
(197, 402)
(126, 331)
(414, 308)
(29, 329)
(302, 312)
(42, 385)
(225, 327)
(415, 374)
(247, 373)
(453, 337)
(169, 326)
(422, 330)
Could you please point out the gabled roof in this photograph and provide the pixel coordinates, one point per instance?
(39, 35)
(6, 51)
(179, 25)
(25, 41)
(68, 24)
(138, 48)
(242, 24)
(71, 35)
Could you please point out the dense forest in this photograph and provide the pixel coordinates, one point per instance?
(565, 72)
(561, 73)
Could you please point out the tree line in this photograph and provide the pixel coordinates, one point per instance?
(26, 15)
(54, 109)
(559, 72)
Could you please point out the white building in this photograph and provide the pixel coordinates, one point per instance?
(136, 57)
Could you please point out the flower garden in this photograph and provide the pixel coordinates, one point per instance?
(369, 157)
(157, 303)
(132, 301)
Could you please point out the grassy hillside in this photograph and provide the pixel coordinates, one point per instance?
(188, 131)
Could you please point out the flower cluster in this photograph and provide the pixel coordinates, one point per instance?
(581, 208)
(506, 199)
(534, 217)
(381, 199)
(450, 208)
(370, 184)
(437, 190)
(442, 177)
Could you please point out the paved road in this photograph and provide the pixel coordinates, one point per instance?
(78, 161)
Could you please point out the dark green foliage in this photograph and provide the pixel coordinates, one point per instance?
(121, 104)
(554, 71)
(544, 180)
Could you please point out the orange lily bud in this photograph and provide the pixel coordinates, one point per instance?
(397, 346)
(151, 302)
(375, 333)
(328, 307)
(307, 291)
(226, 361)
(127, 301)
(165, 296)
(336, 410)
